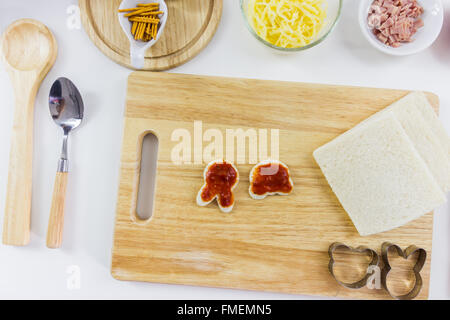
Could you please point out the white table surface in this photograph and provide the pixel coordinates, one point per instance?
(37, 272)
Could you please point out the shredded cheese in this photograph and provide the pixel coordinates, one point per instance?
(287, 23)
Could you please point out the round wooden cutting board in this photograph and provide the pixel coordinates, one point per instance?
(190, 26)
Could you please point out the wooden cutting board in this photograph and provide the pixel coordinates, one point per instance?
(278, 244)
(191, 24)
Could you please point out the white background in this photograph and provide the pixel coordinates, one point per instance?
(37, 272)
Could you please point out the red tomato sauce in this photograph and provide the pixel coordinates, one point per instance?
(276, 182)
(220, 178)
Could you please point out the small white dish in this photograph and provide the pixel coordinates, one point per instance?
(433, 18)
(138, 48)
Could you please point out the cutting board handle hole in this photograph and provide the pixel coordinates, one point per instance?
(147, 178)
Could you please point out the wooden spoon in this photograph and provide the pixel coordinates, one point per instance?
(29, 51)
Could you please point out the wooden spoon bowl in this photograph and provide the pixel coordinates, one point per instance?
(29, 51)
(28, 45)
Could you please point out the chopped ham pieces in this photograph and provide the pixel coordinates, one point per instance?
(395, 22)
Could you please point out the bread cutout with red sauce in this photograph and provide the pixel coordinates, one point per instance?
(220, 179)
(268, 178)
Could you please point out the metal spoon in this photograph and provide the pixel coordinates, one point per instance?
(66, 109)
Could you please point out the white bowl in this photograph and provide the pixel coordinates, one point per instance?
(433, 18)
(138, 48)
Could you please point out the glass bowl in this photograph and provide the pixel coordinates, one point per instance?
(333, 14)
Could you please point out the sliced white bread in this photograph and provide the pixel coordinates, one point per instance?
(378, 176)
(423, 136)
(276, 163)
(199, 199)
(419, 100)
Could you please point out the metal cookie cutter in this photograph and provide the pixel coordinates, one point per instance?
(361, 249)
(421, 259)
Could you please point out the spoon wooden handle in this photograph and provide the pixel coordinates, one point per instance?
(16, 225)
(56, 221)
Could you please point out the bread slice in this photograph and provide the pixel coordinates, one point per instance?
(420, 101)
(378, 175)
(203, 203)
(420, 130)
(274, 165)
